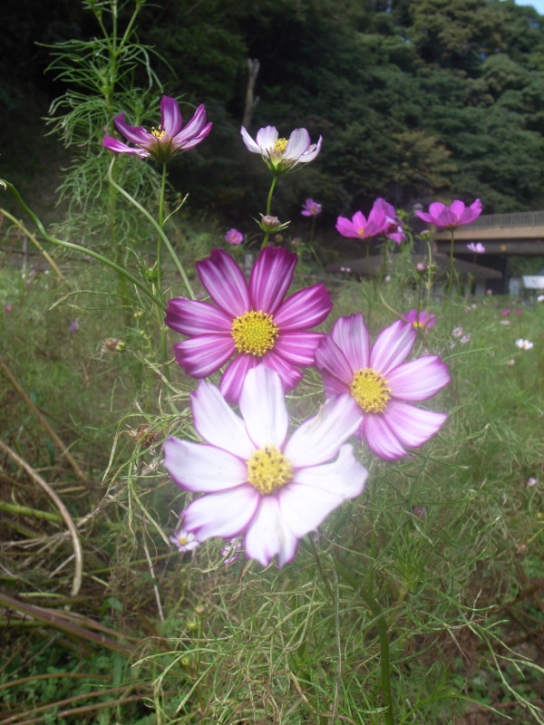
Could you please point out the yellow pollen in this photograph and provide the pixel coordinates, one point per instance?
(361, 231)
(158, 132)
(370, 390)
(268, 470)
(280, 145)
(418, 325)
(254, 332)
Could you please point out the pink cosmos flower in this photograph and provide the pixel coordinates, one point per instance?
(281, 154)
(361, 228)
(524, 344)
(393, 225)
(163, 143)
(422, 320)
(311, 208)
(380, 385)
(233, 236)
(455, 215)
(256, 481)
(477, 248)
(252, 322)
(506, 312)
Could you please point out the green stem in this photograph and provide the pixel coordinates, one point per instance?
(381, 623)
(450, 278)
(78, 248)
(268, 208)
(160, 231)
(161, 224)
(429, 273)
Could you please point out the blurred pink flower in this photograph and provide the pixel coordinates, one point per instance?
(163, 143)
(8, 308)
(506, 312)
(380, 386)
(280, 154)
(233, 236)
(361, 228)
(465, 339)
(251, 322)
(257, 481)
(455, 215)
(457, 332)
(311, 208)
(524, 344)
(420, 320)
(393, 226)
(476, 248)
(74, 326)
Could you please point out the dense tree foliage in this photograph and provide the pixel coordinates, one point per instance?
(416, 99)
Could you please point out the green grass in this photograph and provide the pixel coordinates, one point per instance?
(449, 541)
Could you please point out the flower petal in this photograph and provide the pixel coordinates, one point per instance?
(330, 359)
(262, 404)
(298, 348)
(319, 438)
(202, 468)
(418, 379)
(270, 278)
(306, 308)
(202, 355)
(351, 336)
(392, 346)
(268, 535)
(225, 514)
(266, 138)
(170, 116)
(224, 282)
(134, 134)
(318, 490)
(298, 143)
(345, 227)
(380, 438)
(194, 127)
(112, 144)
(249, 142)
(191, 317)
(217, 423)
(234, 376)
(412, 426)
(290, 375)
(311, 152)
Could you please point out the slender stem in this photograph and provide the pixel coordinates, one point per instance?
(34, 241)
(268, 208)
(78, 248)
(161, 224)
(320, 566)
(381, 623)
(450, 278)
(160, 231)
(429, 273)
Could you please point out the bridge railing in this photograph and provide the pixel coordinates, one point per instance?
(516, 219)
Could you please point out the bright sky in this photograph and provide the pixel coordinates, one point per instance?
(537, 4)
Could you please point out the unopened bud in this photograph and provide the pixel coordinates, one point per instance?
(421, 268)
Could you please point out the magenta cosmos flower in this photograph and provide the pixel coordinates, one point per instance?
(162, 143)
(281, 154)
(233, 236)
(393, 226)
(477, 248)
(455, 215)
(311, 208)
(252, 322)
(362, 228)
(420, 320)
(381, 386)
(256, 481)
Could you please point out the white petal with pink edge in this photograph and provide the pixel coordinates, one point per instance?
(266, 138)
(202, 355)
(351, 336)
(418, 379)
(249, 142)
(201, 468)
(319, 438)
(345, 476)
(298, 143)
(262, 405)
(413, 426)
(393, 345)
(269, 535)
(290, 375)
(306, 308)
(224, 282)
(192, 317)
(217, 423)
(225, 514)
(381, 439)
(270, 278)
(298, 348)
(330, 359)
(234, 376)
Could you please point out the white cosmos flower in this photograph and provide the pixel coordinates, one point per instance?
(281, 154)
(524, 344)
(257, 482)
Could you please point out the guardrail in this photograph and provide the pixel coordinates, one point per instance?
(516, 219)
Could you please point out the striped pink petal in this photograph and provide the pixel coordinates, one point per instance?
(331, 361)
(289, 374)
(393, 345)
(380, 438)
(351, 336)
(412, 426)
(224, 282)
(202, 355)
(234, 376)
(306, 308)
(270, 278)
(418, 379)
(112, 144)
(298, 348)
(170, 116)
(134, 134)
(196, 318)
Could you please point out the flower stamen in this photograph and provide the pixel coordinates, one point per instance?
(254, 332)
(158, 132)
(268, 470)
(370, 390)
(280, 145)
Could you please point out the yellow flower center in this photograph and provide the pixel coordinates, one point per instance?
(418, 325)
(268, 470)
(182, 540)
(370, 390)
(254, 333)
(158, 132)
(361, 231)
(280, 145)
